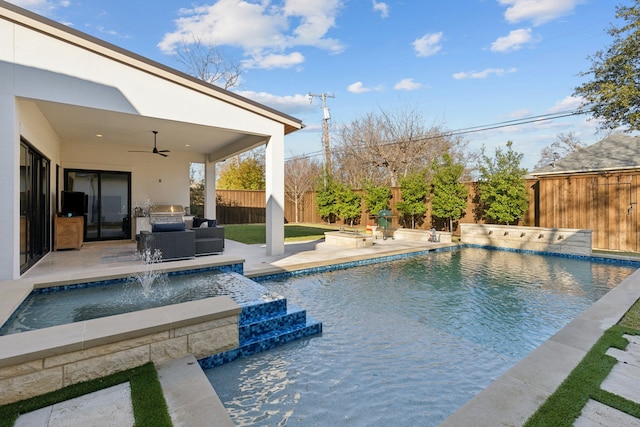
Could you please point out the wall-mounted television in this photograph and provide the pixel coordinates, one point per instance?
(74, 203)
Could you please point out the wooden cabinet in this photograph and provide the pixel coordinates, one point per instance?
(68, 232)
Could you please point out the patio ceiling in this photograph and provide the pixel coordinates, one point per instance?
(81, 124)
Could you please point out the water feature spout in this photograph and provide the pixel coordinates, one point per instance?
(148, 276)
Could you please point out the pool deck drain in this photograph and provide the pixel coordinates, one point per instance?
(509, 400)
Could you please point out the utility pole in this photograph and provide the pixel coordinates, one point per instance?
(325, 130)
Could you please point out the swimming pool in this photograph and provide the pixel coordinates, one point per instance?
(409, 342)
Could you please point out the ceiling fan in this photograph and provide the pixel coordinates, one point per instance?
(155, 147)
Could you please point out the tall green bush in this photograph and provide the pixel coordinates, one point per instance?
(413, 190)
(449, 199)
(327, 199)
(376, 198)
(502, 187)
(349, 204)
(336, 200)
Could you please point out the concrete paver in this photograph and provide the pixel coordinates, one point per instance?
(103, 408)
(595, 414)
(191, 399)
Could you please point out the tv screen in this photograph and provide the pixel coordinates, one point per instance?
(74, 203)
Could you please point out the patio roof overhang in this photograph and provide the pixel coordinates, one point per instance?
(75, 123)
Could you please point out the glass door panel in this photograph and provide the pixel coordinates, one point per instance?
(114, 203)
(108, 201)
(35, 212)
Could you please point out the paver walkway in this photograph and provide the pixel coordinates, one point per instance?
(623, 380)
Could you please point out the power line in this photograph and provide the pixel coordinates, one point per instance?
(476, 129)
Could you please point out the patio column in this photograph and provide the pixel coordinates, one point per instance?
(210, 189)
(10, 189)
(274, 171)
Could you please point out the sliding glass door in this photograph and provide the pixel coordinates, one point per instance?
(35, 211)
(108, 202)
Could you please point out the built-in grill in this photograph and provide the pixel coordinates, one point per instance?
(162, 214)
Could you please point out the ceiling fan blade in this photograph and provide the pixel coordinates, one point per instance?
(155, 148)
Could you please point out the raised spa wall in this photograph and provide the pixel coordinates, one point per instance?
(44, 360)
(556, 240)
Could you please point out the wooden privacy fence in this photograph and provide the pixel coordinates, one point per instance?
(605, 203)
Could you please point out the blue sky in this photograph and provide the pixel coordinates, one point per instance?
(461, 63)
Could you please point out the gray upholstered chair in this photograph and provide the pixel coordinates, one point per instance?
(173, 241)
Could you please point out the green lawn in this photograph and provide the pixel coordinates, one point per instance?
(563, 407)
(256, 233)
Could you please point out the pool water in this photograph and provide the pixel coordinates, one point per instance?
(408, 342)
(45, 308)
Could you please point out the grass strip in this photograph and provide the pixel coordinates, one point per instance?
(149, 406)
(564, 406)
(252, 234)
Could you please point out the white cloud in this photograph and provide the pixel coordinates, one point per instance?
(260, 29)
(513, 41)
(43, 7)
(294, 104)
(483, 74)
(428, 45)
(407, 84)
(359, 87)
(537, 11)
(520, 114)
(274, 61)
(381, 7)
(568, 103)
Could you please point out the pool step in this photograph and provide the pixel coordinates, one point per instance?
(256, 327)
(264, 326)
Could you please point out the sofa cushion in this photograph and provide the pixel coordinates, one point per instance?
(199, 222)
(168, 226)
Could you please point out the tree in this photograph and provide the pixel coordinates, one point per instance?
(413, 191)
(327, 199)
(196, 193)
(449, 199)
(383, 148)
(613, 94)
(300, 175)
(565, 144)
(503, 190)
(207, 62)
(336, 200)
(376, 198)
(245, 174)
(349, 204)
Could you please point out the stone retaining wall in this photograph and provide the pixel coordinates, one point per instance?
(36, 362)
(421, 235)
(559, 240)
(348, 239)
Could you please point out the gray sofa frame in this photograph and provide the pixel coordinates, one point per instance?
(172, 244)
(209, 240)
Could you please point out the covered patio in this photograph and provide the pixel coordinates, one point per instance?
(71, 102)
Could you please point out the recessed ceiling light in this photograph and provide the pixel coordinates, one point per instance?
(187, 145)
(99, 135)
